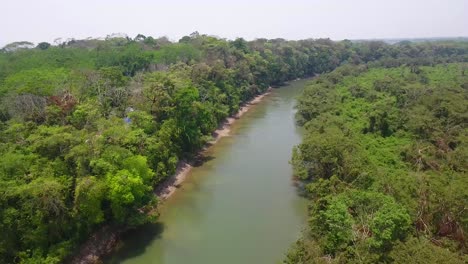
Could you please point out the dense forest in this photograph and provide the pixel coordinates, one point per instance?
(384, 164)
(89, 127)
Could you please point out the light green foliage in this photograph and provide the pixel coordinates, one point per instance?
(390, 223)
(176, 53)
(125, 188)
(142, 120)
(35, 81)
(356, 217)
(89, 127)
(84, 115)
(51, 58)
(89, 194)
(422, 251)
(338, 227)
(383, 155)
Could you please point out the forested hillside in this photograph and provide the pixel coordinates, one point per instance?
(89, 127)
(384, 164)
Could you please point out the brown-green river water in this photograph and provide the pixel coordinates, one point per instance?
(240, 206)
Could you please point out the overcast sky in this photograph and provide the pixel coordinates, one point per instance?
(46, 20)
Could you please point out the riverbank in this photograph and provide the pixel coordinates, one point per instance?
(105, 240)
(239, 193)
(170, 185)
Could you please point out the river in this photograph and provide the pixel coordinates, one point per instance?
(240, 206)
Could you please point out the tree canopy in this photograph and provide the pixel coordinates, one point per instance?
(89, 127)
(384, 165)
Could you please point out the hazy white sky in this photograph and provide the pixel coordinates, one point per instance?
(46, 20)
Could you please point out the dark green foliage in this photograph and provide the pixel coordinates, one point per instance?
(130, 57)
(89, 127)
(43, 45)
(384, 159)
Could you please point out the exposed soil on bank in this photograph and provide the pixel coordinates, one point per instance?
(104, 241)
(170, 185)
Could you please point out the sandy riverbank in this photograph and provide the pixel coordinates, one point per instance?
(104, 241)
(169, 186)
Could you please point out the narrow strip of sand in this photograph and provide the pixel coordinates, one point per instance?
(103, 241)
(170, 185)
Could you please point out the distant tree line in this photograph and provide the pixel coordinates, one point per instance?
(89, 127)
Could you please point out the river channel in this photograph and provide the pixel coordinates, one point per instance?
(241, 205)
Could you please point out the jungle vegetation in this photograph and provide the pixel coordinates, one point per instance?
(384, 164)
(88, 128)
